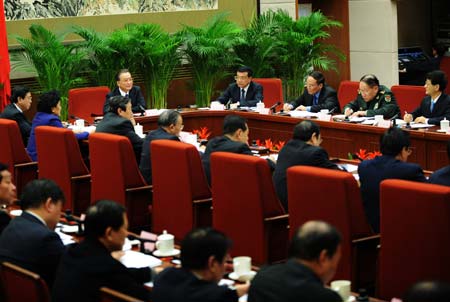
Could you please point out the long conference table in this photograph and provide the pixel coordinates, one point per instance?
(339, 138)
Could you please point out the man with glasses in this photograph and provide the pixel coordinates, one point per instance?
(316, 96)
(126, 88)
(373, 99)
(244, 92)
(395, 149)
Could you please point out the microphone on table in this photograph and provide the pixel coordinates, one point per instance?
(332, 110)
(227, 105)
(274, 106)
(393, 119)
(142, 110)
(141, 240)
(70, 218)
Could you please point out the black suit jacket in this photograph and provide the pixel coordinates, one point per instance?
(115, 124)
(146, 164)
(441, 109)
(4, 220)
(373, 172)
(12, 113)
(88, 266)
(327, 100)
(289, 282)
(441, 176)
(297, 153)
(135, 94)
(254, 95)
(27, 242)
(177, 284)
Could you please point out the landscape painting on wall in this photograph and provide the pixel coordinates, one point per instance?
(38, 9)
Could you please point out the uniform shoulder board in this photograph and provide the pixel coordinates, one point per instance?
(387, 98)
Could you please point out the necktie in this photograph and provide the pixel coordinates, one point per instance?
(431, 106)
(242, 95)
(127, 96)
(315, 100)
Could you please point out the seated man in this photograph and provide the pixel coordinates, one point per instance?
(395, 147)
(20, 103)
(442, 176)
(427, 291)
(316, 96)
(125, 88)
(29, 240)
(315, 252)
(204, 253)
(303, 149)
(436, 105)
(119, 120)
(373, 99)
(7, 195)
(90, 265)
(244, 91)
(170, 124)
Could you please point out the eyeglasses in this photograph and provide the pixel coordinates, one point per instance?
(127, 80)
(240, 78)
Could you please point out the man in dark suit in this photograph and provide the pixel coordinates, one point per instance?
(436, 105)
(315, 252)
(119, 120)
(204, 253)
(92, 264)
(170, 124)
(7, 195)
(20, 102)
(29, 240)
(126, 88)
(245, 92)
(442, 176)
(316, 96)
(304, 150)
(394, 145)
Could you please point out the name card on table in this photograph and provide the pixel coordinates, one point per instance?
(217, 106)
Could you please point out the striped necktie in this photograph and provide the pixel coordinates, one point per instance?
(242, 95)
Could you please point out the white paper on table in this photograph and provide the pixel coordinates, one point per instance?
(349, 167)
(153, 112)
(66, 239)
(273, 157)
(359, 119)
(138, 260)
(420, 125)
(299, 113)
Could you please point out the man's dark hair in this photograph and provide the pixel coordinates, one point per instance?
(19, 92)
(117, 77)
(438, 77)
(440, 49)
(118, 101)
(48, 100)
(168, 117)
(304, 130)
(427, 291)
(3, 167)
(37, 191)
(393, 141)
(370, 79)
(231, 123)
(312, 238)
(104, 214)
(246, 69)
(200, 244)
(318, 76)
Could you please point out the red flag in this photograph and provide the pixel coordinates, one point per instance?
(4, 60)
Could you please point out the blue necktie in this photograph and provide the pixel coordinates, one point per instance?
(315, 100)
(242, 95)
(431, 106)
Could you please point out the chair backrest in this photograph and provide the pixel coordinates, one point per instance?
(113, 167)
(340, 205)
(86, 101)
(20, 284)
(12, 150)
(178, 179)
(445, 67)
(408, 97)
(59, 158)
(347, 92)
(243, 195)
(272, 91)
(110, 295)
(415, 228)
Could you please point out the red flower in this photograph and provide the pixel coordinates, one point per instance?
(203, 133)
(279, 145)
(363, 154)
(269, 144)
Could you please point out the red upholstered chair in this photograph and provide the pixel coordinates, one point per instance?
(20, 284)
(59, 158)
(13, 153)
(110, 295)
(181, 195)
(272, 90)
(339, 204)
(415, 228)
(408, 97)
(246, 208)
(86, 101)
(347, 92)
(115, 175)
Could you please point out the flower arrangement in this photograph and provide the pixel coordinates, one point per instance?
(270, 145)
(362, 154)
(202, 133)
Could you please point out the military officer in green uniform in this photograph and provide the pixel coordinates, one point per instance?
(373, 99)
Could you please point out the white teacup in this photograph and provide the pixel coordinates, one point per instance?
(445, 125)
(342, 287)
(139, 129)
(324, 111)
(165, 243)
(242, 265)
(79, 123)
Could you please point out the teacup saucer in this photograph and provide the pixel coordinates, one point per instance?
(245, 277)
(173, 252)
